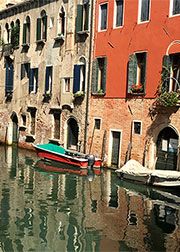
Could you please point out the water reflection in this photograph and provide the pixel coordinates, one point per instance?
(75, 210)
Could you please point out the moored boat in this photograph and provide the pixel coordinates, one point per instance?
(134, 171)
(58, 153)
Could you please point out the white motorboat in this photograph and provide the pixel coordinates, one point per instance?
(134, 171)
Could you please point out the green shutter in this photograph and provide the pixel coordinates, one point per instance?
(45, 27)
(143, 70)
(104, 76)
(79, 18)
(86, 21)
(132, 71)
(24, 33)
(38, 30)
(94, 76)
(165, 75)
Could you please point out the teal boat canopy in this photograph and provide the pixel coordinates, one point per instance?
(52, 147)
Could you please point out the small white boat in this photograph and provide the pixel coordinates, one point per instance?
(134, 171)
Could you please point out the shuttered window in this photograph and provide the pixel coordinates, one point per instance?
(9, 82)
(24, 33)
(176, 7)
(99, 75)
(76, 83)
(48, 80)
(145, 8)
(82, 18)
(137, 73)
(33, 80)
(170, 73)
(38, 30)
(103, 16)
(44, 27)
(25, 70)
(119, 12)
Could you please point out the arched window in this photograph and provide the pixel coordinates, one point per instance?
(42, 27)
(7, 34)
(61, 23)
(15, 31)
(79, 76)
(26, 31)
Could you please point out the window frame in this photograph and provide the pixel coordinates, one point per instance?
(115, 15)
(100, 123)
(171, 9)
(65, 84)
(82, 18)
(133, 129)
(33, 80)
(79, 78)
(96, 89)
(100, 18)
(169, 81)
(140, 21)
(134, 75)
(48, 80)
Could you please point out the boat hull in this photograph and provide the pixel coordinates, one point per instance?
(149, 180)
(66, 159)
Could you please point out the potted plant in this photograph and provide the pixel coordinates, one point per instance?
(168, 99)
(137, 88)
(79, 94)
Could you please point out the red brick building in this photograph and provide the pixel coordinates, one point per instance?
(134, 110)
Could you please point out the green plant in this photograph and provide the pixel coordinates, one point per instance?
(137, 88)
(168, 99)
(79, 94)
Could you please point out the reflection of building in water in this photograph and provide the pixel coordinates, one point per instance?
(41, 211)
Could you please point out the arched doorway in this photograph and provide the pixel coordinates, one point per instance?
(167, 149)
(72, 134)
(14, 127)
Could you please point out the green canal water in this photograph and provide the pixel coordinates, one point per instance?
(79, 211)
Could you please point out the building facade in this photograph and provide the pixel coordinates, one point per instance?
(44, 69)
(135, 83)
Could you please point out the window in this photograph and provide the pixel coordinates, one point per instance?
(25, 70)
(175, 7)
(137, 73)
(23, 117)
(137, 127)
(61, 23)
(56, 125)
(79, 78)
(82, 18)
(99, 76)
(48, 80)
(26, 31)
(119, 5)
(51, 22)
(33, 120)
(41, 32)
(67, 85)
(171, 73)
(103, 17)
(9, 81)
(15, 32)
(144, 9)
(7, 34)
(33, 80)
(97, 123)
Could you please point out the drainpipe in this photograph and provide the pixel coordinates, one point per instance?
(89, 77)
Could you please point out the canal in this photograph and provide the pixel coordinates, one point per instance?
(79, 211)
